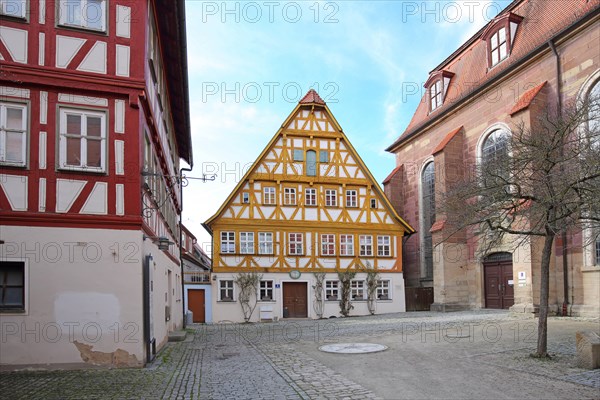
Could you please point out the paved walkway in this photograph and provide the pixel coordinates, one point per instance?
(481, 354)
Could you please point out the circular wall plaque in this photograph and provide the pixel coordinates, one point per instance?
(295, 274)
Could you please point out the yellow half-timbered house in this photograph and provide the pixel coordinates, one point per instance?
(308, 204)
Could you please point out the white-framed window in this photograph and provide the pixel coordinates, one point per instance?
(14, 8)
(266, 291)
(435, 95)
(227, 242)
(12, 286)
(295, 244)
(310, 197)
(366, 245)
(82, 139)
(226, 290)
(495, 157)
(246, 242)
(383, 290)
(331, 197)
(373, 203)
(331, 290)
(86, 14)
(289, 196)
(269, 195)
(346, 245)
(357, 290)
(498, 46)
(13, 134)
(265, 242)
(351, 198)
(245, 197)
(383, 246)
(328, 244)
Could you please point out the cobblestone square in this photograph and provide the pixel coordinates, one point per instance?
(466, 355)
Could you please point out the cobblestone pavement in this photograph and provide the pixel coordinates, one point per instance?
(482, 354)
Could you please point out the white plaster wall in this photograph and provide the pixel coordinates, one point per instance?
(161, 265)
(231, 311)
(82, 285)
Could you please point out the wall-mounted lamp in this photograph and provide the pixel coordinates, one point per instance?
(162, 241)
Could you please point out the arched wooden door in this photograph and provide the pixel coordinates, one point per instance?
(498, 277)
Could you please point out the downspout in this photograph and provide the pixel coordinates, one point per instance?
(181, 238)
(565, 263)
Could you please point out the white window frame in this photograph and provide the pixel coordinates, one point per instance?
(265, 287)
(84, 113)
(246, 242)
(384, 285)
(384, 246)
(289, 196)
(331, 287)
(366, 245)
(357, 286)
(63, 11)
(269, 196)
(351, 198)
(24, 131)
(297, 244)
(436, 95)
(21, 7)
(330, 198)
(496, 48)
(310, 194)
(327, 240)
(229, 287)
(265, 242)
(227, 242)
(347, 245)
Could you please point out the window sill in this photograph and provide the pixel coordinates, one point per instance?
(226, 301)
(6, 164)
(591, 268)
(13, 311)
(266, 301)
(14, 18)
(75, 28)
(82, 170)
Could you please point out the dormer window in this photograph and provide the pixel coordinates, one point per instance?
(437, 87)
(435, 95)
(500, 36)
(498, 46)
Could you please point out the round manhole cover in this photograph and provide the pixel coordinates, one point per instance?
(353, 348)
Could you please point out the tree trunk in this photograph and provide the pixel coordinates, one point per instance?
(542, 343)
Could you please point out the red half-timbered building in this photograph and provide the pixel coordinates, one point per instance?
(93, 123)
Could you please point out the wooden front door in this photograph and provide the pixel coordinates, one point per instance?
(498, 276)
(295, 299)
(196, 304)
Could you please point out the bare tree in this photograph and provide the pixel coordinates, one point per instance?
(545, 182)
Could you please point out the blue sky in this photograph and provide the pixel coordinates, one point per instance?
(251, 62)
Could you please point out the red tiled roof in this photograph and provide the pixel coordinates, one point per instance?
(394, 172)
(312, 97)
(542, 20)
(527, 98)
(447, 140)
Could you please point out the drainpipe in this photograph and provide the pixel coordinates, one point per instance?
(181, 238)
(564, 232)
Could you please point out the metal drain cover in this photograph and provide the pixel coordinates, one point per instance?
(353, 348)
